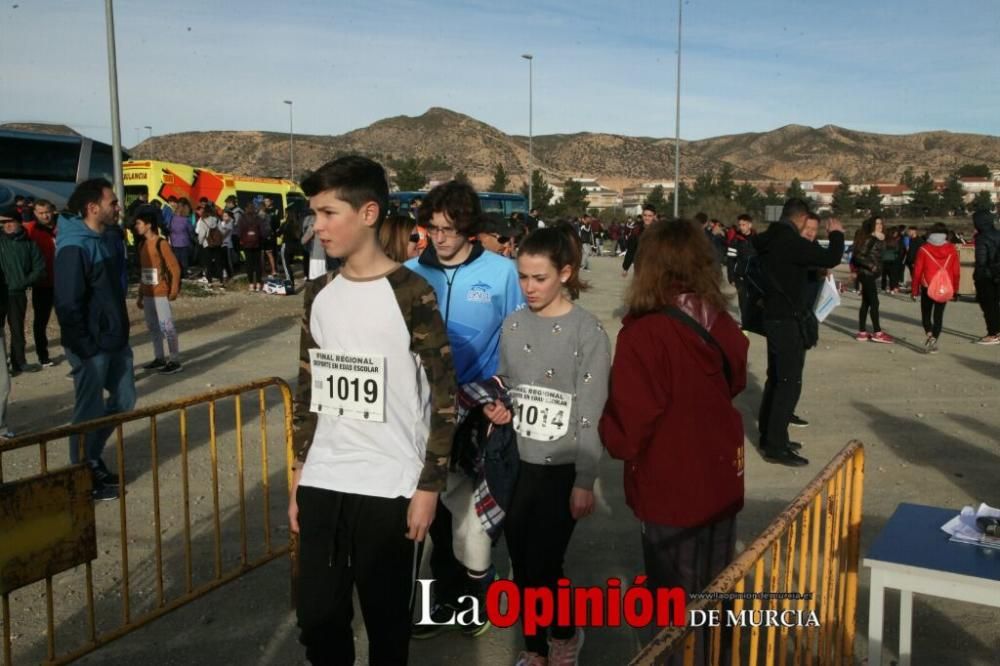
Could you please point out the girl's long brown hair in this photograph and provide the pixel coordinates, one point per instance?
(674, 258)
(394, 237)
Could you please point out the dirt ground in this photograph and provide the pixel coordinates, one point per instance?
(929, 424)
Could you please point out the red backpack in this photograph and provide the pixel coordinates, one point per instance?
(940, 288)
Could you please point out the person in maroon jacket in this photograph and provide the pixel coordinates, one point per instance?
(679, 362)
(42, 230)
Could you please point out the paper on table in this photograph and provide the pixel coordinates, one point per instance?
(963, 529)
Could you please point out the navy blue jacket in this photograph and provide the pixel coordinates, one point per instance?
(89, 290)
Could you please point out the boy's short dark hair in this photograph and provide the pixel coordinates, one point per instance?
(458, 201)
(148, 215)
(86, 193)
(744, 217)
(356, 180)
(701, 218)
(650, 207)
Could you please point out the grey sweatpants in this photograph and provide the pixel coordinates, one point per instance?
(160, 322)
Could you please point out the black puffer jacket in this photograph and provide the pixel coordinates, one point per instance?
(786, 258)
(868, 257)
(987, 246)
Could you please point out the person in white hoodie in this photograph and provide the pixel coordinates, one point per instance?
(211, 238)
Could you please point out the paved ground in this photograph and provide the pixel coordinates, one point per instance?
(930, 425)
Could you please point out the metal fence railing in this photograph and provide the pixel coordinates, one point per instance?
(196, 511)
(812, 547)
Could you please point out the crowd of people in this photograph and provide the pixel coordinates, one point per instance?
(475, 397)
(478, 339)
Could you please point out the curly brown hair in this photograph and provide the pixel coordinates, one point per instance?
(674, 258)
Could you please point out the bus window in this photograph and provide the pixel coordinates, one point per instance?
(101, 162)
(492, 206)
(34, 159)
(132, 193)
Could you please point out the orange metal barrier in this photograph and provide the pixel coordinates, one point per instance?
(171, 536)
(811, 547)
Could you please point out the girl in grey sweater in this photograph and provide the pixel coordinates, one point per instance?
(555, 357)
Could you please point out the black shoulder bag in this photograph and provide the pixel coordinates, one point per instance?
(689, 321)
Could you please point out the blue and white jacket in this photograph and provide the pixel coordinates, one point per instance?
(474, 298)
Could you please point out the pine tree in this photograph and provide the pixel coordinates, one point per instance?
(541, 195)
(982, 201)
(795, 190)
(656, 199)
(724, 183)
(409, 176)
(925, 200)
(843, 200)
(749, 199)
(772, 197)
(500, 180)
(574, 201)
(462, 177)
(953, 196)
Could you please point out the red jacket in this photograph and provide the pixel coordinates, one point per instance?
(45, 238)
(670, 417)
(925, 267)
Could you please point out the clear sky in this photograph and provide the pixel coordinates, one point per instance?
(893, 66)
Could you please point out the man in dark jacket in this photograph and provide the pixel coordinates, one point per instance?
(987, 275)
(90, 306)
(785, 258)
(22, 265)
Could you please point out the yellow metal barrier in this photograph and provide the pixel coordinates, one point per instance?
(811, 547)
(164, 552)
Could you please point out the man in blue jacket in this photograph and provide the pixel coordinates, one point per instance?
(476, 290)
(93, 320)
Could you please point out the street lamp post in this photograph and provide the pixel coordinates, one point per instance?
(677, 114)
(116, 129)
(531, 158)
(150, 128)
(291, 143)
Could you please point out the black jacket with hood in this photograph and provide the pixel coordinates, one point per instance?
(987, 246)
(785, 259)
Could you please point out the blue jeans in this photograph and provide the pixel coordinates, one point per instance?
(107, 371)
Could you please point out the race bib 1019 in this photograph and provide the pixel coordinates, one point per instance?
(541, 413)
(348, 385)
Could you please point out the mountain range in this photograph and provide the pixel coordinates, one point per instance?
(455, 142)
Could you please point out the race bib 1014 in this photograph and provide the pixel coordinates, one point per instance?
(348, 385)
(541, 413)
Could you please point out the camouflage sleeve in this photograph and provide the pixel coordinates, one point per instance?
(303, 420)
(429, 340)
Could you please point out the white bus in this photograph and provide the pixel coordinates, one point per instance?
(49, 166)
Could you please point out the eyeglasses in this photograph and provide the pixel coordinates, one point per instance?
(447, 232)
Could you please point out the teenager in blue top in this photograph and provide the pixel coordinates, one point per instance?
(476, 290)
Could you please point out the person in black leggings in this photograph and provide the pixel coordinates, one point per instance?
(934, 256)
(870, 242)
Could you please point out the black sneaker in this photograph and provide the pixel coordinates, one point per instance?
(104, 476)
(155, 365)
(171, 368)
(478, 587)
(785, 457)
(440, 613)
(104, 493)
(794, 446)
(797, 422)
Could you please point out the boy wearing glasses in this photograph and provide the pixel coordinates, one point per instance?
(476, 290)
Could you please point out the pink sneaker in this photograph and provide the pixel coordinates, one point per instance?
(531, 659)
(565, 652)
(883, 338)
(862, 336)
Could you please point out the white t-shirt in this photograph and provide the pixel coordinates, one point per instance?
(382, 459)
